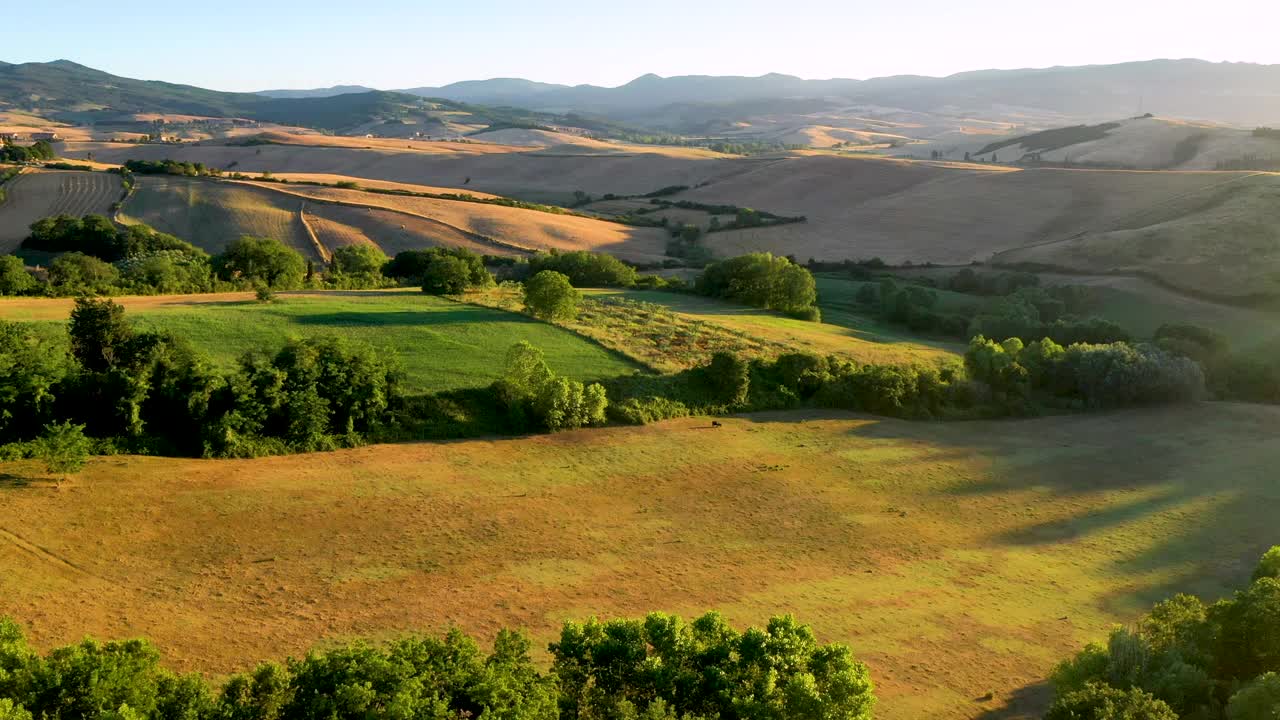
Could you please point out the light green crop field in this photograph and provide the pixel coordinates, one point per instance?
(441, 344)
(844, 333)
(957, 559)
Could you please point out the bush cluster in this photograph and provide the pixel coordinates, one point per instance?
(1229, 375)
(440, 270)
(762, 280)
(1185, 659)
(658, 668)
(41, 150)
(585, 269)
(151, 392)
(171, 167)
(1093, 376)
(1019, 308)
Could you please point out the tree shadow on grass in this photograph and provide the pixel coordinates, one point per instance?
(410, 318)
(9, 481)
(1201, 474)
(1026, 703)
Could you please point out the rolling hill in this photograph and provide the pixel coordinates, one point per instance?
(497, 227)
(211, 214)
(1143, 143)
(1222, 92)
(37, 194)
(64, 90)
(1221, 242)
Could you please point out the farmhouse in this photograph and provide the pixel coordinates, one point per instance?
(46, 136)
(9, 137)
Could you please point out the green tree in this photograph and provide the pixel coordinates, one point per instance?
(99, 333)
(32, 366)
(14, 278)
(661, 667)
(76, 272)
(11, 711)
(585, 269)
(1102, 702)
(1248, 641)
(761, 280)
(63, 448)
(1259, 700)
(564, 404)
(1269, 566)
(445, 275)
(534, 396)
(361, 260)
(262, 259)
(549, 295)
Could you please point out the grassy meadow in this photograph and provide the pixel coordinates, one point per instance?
(957, 559)
(442, 345)
(843, 333)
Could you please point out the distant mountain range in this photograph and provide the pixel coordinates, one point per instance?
(318, 92)
(70, 92)
(1235, 93)
(1238, 93)
(1193, 89)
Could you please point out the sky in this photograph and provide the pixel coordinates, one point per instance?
(394, 44)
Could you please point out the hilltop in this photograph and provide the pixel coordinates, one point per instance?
(69, 92)
(1222, 92)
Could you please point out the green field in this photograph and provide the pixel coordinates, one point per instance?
(843, 333)
(441, 344)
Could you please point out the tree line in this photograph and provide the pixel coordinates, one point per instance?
(39, 151)
(1185, 659)
(152, 393)
(656, 668)
(1019, 308)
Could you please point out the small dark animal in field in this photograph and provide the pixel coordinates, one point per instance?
(716, 423)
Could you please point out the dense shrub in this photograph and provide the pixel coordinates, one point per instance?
(549, 295)
(662, 667)
(40, 150)
(535, 398)
(585, 269)
(361, 264)
(439, 276)
(170, 167)
(79, 274)
(659, 668)
(313, 394)
(1185, 659)
(445, 275)
(1111, 375)
(32, 367)
(14, 278)
(262, 260)
(152, 391)
(761, 280)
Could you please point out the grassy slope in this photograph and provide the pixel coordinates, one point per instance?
(1223, 241)
(956, 558)
(843, 333)
(516, 227)
(211, 214)
(38, 194)
(441, 344)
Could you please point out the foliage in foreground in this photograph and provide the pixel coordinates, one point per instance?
(1185, 659)
(659, 668)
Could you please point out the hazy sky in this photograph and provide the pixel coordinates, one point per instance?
(243, 45)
